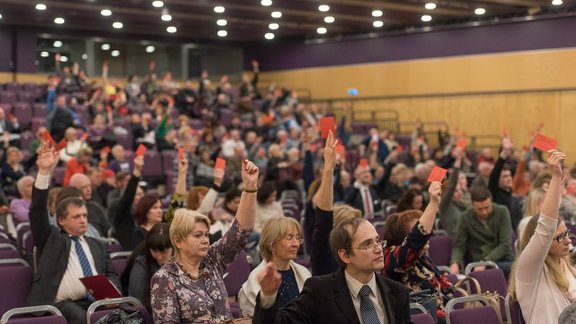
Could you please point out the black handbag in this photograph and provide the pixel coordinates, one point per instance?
(122, 315)
(426, 299)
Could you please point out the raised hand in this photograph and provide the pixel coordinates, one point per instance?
(219, 176)
(554, 162)
(249, 174)
(435, 191)
(330, 151)
(138, 165)
(47, 158)
(269, 279)
(182, 166)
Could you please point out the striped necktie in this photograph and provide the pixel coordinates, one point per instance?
(86, 268)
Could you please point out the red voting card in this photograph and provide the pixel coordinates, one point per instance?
(327, 124)
(363, 163)
(340, 149)
(220, 164)
(61, 145)
(437, 174)
(461, 144)
(141, 150)
(100, 287)
(47, 137)
(544, 143)
(180, 154)
(399, 148)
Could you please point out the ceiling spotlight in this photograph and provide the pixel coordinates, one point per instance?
(266, 3)
(115, 53)
(430, 6)
(44, 54)
(171, 29)
(376, 13)
(426, 18)
(117, 25)
(219, 9)
(158, 4)
(557, 2)
(40, 6)
(324, 8)
(276, 14)
(84, 56)
(150, 49)
(480, 11)
(378, 23)
(59, 20)
(106, 12)
(329, 19)
(269, 36)
(222, 33)
(57, 43)
(273, 26)
(63, 58)
(221, 22)
(166, 17)
(321, 30)
(105, 47)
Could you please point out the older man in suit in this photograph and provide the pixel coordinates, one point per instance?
(354, 294)
(65, 253)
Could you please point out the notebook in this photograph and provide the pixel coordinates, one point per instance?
(100, 287)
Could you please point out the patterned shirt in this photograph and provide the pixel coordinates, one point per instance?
(175, 298)
(288, 290)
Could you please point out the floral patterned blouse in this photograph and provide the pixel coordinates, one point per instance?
(176, 298)
(403, 263)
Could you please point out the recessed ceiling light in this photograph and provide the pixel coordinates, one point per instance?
(166, 17)
(105, 47)
(324, 8)
(150, 49)
(269, 36)
(106, 12)
(276, 14)
(59, 20)
(219, 9)
(378, 23)
(117, 25)
(377, 13)
(273, 26)
(40, 6)
(266, 3)
(321, 30)
(222, 33)
(115, 53)
(158, 4)
(430, 6)
(221, 22)
(57, 43)
(44, 54)
(63, 58)
(84, 56)
(426, 18)
(329, 19)
(480, 11)
(0, 16)
(557, 2)
(171, 29)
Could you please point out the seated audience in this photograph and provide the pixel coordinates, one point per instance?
(96, 212)
(453, 202)
(73, 145)
(532, 207)
(11, 170)
(79, 164)
(267, 206)
(19, 207)
(411, 199)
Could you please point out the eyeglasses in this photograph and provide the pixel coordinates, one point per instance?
(372, 245)
(562, 237)
(294, 238)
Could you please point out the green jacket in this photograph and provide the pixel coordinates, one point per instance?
(490, 242)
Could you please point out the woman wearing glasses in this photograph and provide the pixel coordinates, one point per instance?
(405, 260)
(543, 278)
(280, 240)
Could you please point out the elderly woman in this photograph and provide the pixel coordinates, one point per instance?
(190, 288)
(407, 234)
(279, 243)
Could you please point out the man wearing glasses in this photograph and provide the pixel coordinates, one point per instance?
(353, 294)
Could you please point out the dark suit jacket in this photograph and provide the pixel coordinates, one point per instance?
(53, 246)
(355, 198)
(326, 299)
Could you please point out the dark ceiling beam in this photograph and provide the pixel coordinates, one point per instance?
(518, 3)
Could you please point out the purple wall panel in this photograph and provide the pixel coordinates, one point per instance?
(530, 35)
(6, 50)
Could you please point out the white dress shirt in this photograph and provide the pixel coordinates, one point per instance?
(355, 286)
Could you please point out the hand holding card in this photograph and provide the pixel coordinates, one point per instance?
(437, 174)
(220, 164)
(48, 138)
(141, 150)
(61, 145)
(180, 154)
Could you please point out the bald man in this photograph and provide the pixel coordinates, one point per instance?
(96, 213)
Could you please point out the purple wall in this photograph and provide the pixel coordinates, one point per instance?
(6, 53)
(18, 50)
(531, 35)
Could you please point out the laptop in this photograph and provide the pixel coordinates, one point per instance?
(100, 287)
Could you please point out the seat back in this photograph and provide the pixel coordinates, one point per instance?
(13, 262)
(440, 250)
(513, 311)
(55, 315)
(476, 315)
(422, 319)
(153, 167)
(93, 314)
(15, 282)
(9, 254)
(236, 274)
(119, 261)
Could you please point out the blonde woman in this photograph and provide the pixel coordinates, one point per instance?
(280, 240)
(543, 278)
(532, 207)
